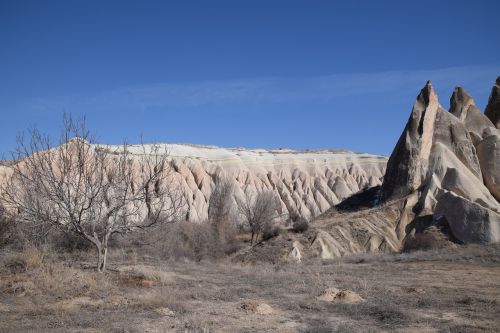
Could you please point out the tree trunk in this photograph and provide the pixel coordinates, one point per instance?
(102, 252)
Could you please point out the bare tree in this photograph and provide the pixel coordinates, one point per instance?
(219, 208)
(258, 212)
(91, 190)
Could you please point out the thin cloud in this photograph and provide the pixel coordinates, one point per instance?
(269, 90)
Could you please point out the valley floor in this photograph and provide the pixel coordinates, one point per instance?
(452, 290)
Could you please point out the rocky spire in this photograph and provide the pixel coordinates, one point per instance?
(463, 107)
(460, 102)
(493, 108)
(407, 164)
(436, 158)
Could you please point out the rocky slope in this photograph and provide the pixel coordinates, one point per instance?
(306, 183)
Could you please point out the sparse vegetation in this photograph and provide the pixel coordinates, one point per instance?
(401, 292)
(270, 230)
(7, 232)
(300, 225)
(259, 212)
(81, 188)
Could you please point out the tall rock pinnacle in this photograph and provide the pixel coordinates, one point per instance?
(407, 164)
(463, 107)
(493, 108)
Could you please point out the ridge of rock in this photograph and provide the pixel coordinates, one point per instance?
(305, 183)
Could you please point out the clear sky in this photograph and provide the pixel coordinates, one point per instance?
(296, 74)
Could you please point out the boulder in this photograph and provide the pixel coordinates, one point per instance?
(469, 222)
(447, 173)
(450, 132)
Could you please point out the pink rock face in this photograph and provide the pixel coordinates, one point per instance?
(305, 183)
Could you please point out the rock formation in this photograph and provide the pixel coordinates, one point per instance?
(441, 163)
(306, 183)
(493, 108)
(443, 175)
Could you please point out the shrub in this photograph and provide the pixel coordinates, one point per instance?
(28, 259)
(192, 240)
(6, 229)
(422, 241)
(69, 242)
(32, 257)
(270, 231)
(300, 225)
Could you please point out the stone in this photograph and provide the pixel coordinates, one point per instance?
(257, 307)
(328, 295)
(469, 222)
(340, 296)
(166, 312)
(295, 253)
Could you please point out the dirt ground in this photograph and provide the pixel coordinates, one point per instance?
(452, 290)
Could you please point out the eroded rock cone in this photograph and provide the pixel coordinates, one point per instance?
(436, 158)
(407, 164)
(493, 108)
(463, 107)
(412, 162)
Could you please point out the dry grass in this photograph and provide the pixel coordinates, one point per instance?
(450, 290)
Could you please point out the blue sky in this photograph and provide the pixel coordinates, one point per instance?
(297, 74)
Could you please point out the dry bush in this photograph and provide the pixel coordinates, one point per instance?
(21, 235)
(422, 241)
(32, 257)
(68, 242)
(164, 297)
(189, 240)
(60, 280)
(269, 231)
(185, 239)
(300, 225)
(7, 230)
(39, 276)
(220, 217)
(20, 262)
(146, 273)
(259, 212)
